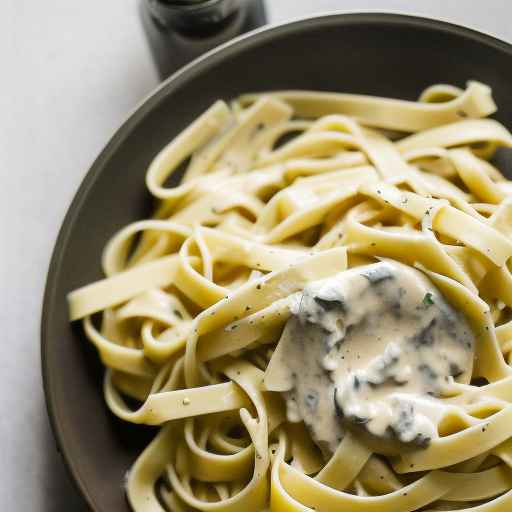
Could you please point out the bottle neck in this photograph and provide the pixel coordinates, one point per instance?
(192, 15)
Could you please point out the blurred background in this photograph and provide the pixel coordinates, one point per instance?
(71, 72)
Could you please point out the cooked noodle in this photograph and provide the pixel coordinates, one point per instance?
(283, 189)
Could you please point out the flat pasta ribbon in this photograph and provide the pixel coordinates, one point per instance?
(280, 189)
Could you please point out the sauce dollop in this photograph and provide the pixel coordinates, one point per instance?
(375, 348)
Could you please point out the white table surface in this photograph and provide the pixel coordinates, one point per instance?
(70, 72)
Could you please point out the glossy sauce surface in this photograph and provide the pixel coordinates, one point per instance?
(372, 348)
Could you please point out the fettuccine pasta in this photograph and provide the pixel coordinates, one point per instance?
(309, 224)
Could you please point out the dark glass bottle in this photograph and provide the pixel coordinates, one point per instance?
(178, 31)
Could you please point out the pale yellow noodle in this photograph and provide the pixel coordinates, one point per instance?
(189, 313)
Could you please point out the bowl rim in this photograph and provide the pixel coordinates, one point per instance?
(138, 113)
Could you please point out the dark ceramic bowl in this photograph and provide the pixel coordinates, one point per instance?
(382, 54)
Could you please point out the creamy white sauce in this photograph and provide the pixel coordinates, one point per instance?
(372, 348)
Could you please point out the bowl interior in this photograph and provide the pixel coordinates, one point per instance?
(365, 53)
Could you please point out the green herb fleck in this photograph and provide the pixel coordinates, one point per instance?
(428, 300)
